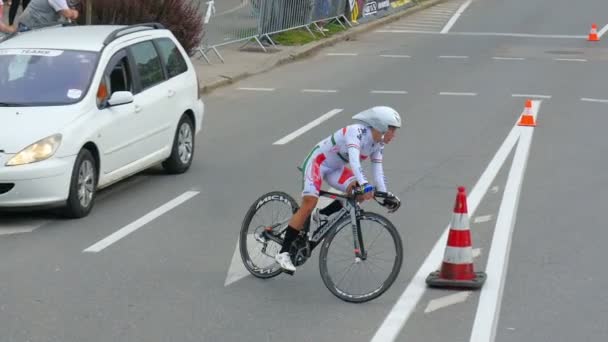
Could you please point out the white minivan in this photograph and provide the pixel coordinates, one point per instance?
(82, 107)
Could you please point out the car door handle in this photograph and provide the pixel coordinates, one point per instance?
(171, 93)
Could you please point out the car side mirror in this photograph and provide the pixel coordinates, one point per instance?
(120, 98)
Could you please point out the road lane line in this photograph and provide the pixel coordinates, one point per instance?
(396, 92)
(570, 59)
(454, 57)
(395, 56)
(455, 17)
(18, 225)
(534, 96)
(586, 99)
(602, 31)
(257, 89)
(319, 91)
(457, 94)
(342, 54)
(446, 301)
(490, 299)
(130, 228)
(406, 304)
(310, 125)
(509, 58)
(482, 219)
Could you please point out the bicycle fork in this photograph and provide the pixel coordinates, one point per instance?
(360, 252)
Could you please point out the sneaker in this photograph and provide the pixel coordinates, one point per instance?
(284, 260)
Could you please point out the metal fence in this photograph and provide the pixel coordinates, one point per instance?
(256, 20)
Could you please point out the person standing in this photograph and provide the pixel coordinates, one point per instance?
(40, 13)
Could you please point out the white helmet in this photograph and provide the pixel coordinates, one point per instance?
(380, 118)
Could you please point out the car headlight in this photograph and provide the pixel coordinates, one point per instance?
(38, 151)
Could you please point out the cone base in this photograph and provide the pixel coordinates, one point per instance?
(434, 280)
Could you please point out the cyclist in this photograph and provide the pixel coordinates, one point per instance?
(337, 160)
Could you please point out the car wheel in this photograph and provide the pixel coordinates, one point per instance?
(83, 186)
(182, 151)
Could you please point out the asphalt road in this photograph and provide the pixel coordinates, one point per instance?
(460, 94)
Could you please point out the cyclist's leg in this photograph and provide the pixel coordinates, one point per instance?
(342, 180)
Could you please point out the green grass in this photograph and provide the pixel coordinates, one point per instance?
(302, 36)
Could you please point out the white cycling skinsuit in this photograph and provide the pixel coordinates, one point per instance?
(329, 160)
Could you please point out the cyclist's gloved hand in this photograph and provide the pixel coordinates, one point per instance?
(392, 203)
(366, 188)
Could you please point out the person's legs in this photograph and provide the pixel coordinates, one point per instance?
(12, 13)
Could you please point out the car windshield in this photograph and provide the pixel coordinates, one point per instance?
(35, 77)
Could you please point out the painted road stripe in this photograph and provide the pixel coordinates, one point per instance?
(570, 59)
(256, 89)
(532, 96)
(400, 92)
(130, 228)
(508, 58)
(20, 225)
(342, 54)
(310, 125)
(488, 309)
(594, 100)
(457, 94)
(454, 57)
(395, 56)
(455, 17)
(602, 31)
(482, 219)
(401, 311)
(446, 301)
(490, 34)
(319, 91)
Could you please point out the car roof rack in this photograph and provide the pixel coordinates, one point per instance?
(116, 33)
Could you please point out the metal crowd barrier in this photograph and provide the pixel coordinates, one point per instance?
(257, 20)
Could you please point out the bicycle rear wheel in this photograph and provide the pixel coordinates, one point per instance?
(271, 213)
(345, 280)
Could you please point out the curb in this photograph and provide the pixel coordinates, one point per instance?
(310, 49)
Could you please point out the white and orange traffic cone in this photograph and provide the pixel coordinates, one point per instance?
(593, 37)
(527, 118)
(457, 269)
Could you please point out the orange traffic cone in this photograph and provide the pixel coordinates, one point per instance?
(527, 118)
(593, 34)
(457, 267)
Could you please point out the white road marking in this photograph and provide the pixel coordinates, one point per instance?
(446, 301)
(509, 58)
(342, 54)
(490, 34)
(310, 125)
(130, 228)
(482, 219)
(256, 89)
(476, 252)
(401, 311)
(455, 17)
(395, 56)
(400, 92)
(602, 31)
(570, 59)
(532, 96)
(319, 91)
(457, 94)
(11, 225)
(488, 310)
(494, 189)
(593, 100)
(454, 57)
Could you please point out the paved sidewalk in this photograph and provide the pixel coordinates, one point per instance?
(251, 60)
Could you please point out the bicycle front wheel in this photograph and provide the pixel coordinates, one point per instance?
(355, 279)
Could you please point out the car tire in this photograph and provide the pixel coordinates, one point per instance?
(83, 186)
(182, 152)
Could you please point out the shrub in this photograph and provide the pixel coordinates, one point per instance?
(182, 17)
